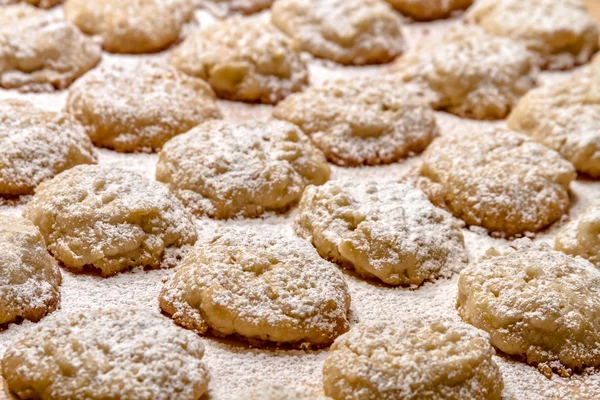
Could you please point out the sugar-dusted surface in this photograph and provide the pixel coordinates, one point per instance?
(235, 367)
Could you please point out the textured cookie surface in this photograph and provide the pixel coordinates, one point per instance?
(565, 117)
(225, 169)
(561, 32)
(426, 10)
(41, 52)
(535, 303)
(385, 230)
(106, 354)
(111, 220)
(132, 26)
(37, 145)
(580, 237)
(140, 106)
(345, 31)
(497, 179)
(242, 6)
(29, 276)
(259, 285)
(38, 3)
(362, 121)
(470, 73)
(243, 60)
(279, 392)
(424, 358)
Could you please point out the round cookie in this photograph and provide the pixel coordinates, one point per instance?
(225, 169)
(13, 13)
(109, 219)
(29, 277)
(140, 106)
(385, 230)
(37, 3)
(427, 10)
(424, 358)
(565, 117)
(497, 179)
(561, 32)
(470, 73)
(243, 60)
(279, 392)
(106, 354)
(580, 237)
(243, 6)
(365, 121)
(37, 145)
(345, 31)
(41, 52)
(259, 285)
(535, 303)
(132, 26)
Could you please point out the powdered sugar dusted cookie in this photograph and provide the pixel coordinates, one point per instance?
(535, 303)
(260, 285)
(497, 179)
(385, 230)
(29, 276)
(106, 354)
(561, 32)
(38, 3)
(140, 106)
(362, 121)
(470, 73)
(36, 145)
(427, 10)
(278, 392)
(224, 169)
(580, 237)
(243, 60)
(133, 26)
(111, 220)
(345, 31)
(41, 52)
(14, 13)
(424, 358)
(565, 117)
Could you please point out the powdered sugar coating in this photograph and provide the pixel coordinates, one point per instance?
(225, 169)
(345, 31)
(535, 303)
(470, 73)
(497, 179)
(132, 26)
(37, 145)
(259, 285)
(561, 32)
(38, 3)
(16, 12)
(139, 106)
(427, 10)
(29, 277)
(385, 230)
(565, 117)
(279, 392)
(110, 219)
(362, 121)
(42, 52)
(580, 236)
(243, 60)
(107, 354)
(421, 358)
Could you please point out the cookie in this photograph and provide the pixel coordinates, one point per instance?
(38, 3)
(42, 52)
(139, 106)
(243, 60)
(37, 145)
(427, 10)
(470, 73)
(497, 179)
(106, 354)
(30, 276)
(133, 26)
(348, 32)
(385, 230)
(580, 237)
(537, 304)
(110, 220)
(565, 117)
(560, 32)
(226, 169)
(365, 121)
(424, 358)
(259, 285)
(14, 13)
